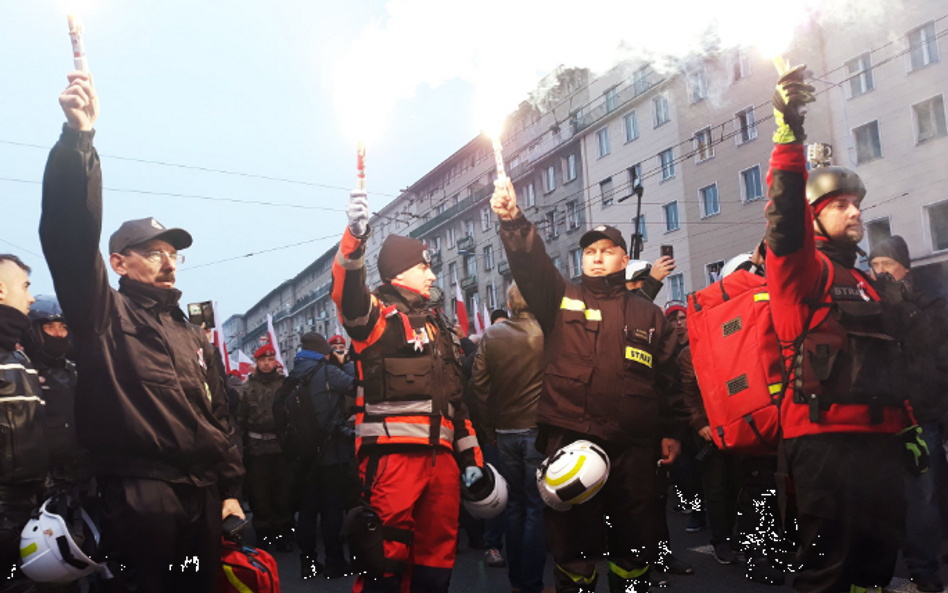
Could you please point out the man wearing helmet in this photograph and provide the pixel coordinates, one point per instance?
(841, 412)
(47, 343)
(608, 370)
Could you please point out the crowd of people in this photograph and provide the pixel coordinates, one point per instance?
(562, 429)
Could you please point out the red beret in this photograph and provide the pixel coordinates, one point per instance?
(265, 350)
(337, 339)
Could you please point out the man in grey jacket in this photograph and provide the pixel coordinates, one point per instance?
(506, 392)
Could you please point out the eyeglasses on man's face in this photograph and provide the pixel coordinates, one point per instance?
(157, 256)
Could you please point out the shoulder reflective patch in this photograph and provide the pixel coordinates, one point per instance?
(639, 356)
(775, 388)
(761, 296)
(569, 304)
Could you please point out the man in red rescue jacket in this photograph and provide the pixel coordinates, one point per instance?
(840, 413)
(410, 415)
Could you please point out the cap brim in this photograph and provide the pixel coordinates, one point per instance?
(178, 238)
(591, 237)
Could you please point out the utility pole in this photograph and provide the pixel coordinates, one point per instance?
(638, 190)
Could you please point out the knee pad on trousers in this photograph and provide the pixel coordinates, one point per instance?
(366, 536)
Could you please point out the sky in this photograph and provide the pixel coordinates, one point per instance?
(242, 86)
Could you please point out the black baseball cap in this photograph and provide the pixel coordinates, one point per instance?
(136, 232)
(603, 231)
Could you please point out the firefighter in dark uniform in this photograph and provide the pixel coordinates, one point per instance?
(609, 370)
(842, 413)
(412, 429)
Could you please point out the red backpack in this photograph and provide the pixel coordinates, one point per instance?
(738, 363)
(245, 569)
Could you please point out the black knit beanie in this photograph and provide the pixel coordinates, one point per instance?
(894, 248)
(315, 343)
(400, 253)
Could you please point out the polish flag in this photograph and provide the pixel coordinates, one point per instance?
(478, 320)
(273, 342)
(461, 311)
(243, 364)
(487, 322)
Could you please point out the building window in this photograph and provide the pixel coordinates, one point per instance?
(452, 237)
(635, 177)
(930, 119)
(877, 231)
(602, 136)
(485, 219)
(860, 73)
(670, 211)
(698, 84)
(439, 281)
(491, 299)
(667, 162)
(531, 194)
(751, 187)
(640, 80)
(550, 178)
(435, 243)
(558, 263)
(575, 263)
(738, 65)
(631, 126)
(470, 265)
(677, 284)
(704, 147)
(708, 197)
(571, 167)
(938, 225)
(552, 232)
(923, 47)
(642, 227)
(712, 271)
(605, 189)
(572, 215)
(612, 99)
(489, 257)
(661, 110)
(469, 228)
(453, 273)
(440, 208)
(868, 142)
(745, 123)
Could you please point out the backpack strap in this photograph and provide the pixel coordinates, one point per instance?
(694, 301)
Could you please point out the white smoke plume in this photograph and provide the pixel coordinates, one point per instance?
(504, 47)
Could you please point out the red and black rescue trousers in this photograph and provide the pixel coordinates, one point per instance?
(850, 509)
(418, 492)
(617, 524)
(159, 536)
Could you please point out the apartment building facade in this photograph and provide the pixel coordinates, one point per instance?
(696, 137)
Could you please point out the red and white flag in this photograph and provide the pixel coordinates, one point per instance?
(486, 312)
(274, 343)
(461, 312)
(478, 320)
(243, 365)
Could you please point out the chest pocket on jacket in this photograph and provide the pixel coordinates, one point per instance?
(580, 327)
(148, 359)
(408, 378)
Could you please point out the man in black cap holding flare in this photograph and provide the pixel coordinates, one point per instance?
(149, 409)
(609, 368)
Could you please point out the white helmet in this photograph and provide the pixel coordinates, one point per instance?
(637, 269)
(572, 475)
(737, 261)
(487, 497)
(54, 550)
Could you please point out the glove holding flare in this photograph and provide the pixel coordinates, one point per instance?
(791, 96)
(915, 449)
(357, 211)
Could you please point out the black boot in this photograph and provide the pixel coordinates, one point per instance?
(760, 570)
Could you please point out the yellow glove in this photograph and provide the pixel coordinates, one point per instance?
(791, 96)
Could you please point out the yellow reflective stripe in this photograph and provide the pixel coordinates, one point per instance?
(628, 574)
(569, 475)
(572, 304)
(761, 296)
(594, 314)
(639, 356)
(233, 580)
(775, 388)
(30, 549)
(578, 578)
(587, 494)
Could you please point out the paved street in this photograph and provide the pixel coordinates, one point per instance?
(471, 574)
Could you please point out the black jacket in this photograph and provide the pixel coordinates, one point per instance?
(327, 390)
(57, 377)
(23, 455)
(148, 404)
(926, 351)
